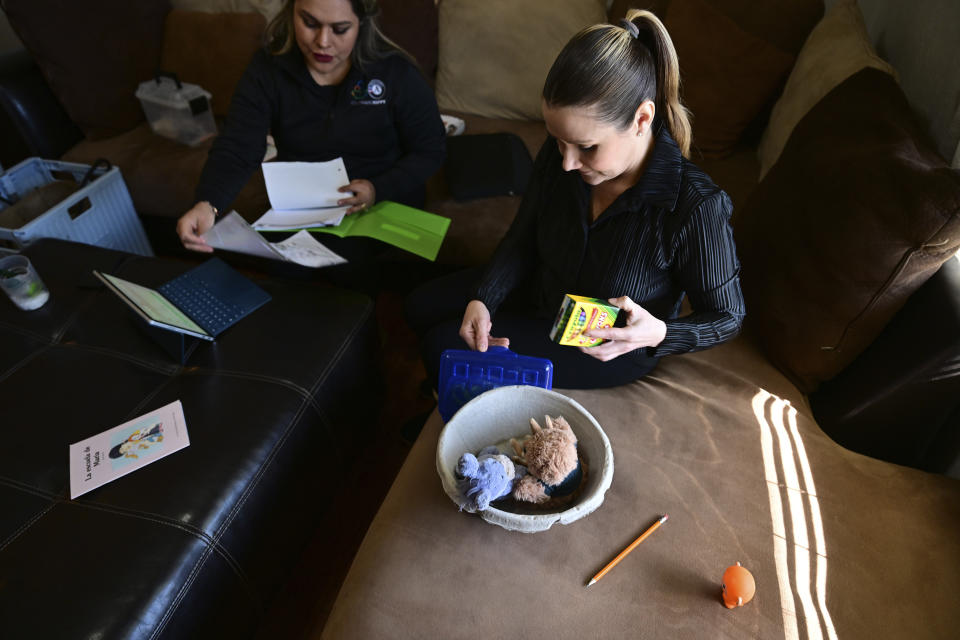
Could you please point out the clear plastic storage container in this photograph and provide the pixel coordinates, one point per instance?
(177, 110)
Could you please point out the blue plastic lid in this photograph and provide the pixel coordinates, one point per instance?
(466, 374)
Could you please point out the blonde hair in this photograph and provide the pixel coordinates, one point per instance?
(609, 68)
(371, 45)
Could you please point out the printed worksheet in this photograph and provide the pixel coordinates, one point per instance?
(304, 249)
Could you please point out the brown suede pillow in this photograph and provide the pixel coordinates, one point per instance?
(728, 75)
(856, 214)
(414, 25)
(784, 23)
(93, 57)
(211, 50)
(618, 8)
(495, 54)
(838, 47)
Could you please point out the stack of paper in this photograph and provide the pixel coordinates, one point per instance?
(232, 233)
(303, 195)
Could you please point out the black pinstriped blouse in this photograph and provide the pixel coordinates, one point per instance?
(667, 235)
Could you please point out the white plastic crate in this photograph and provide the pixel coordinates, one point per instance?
(101, 213)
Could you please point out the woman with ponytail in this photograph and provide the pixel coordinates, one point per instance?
(614, 210)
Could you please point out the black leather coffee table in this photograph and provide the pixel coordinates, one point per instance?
(194, 544)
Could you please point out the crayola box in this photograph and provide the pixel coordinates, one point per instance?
(576, 315)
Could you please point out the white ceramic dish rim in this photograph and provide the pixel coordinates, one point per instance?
(531, 523)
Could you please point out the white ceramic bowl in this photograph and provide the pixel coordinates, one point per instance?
(504, 413)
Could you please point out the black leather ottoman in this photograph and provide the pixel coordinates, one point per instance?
(192, 545)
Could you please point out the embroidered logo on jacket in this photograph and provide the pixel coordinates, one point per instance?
(375, 89)
(372, 94)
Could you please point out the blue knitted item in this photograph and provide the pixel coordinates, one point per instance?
(483, 479)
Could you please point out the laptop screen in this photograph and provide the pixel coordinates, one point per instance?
(154, 305)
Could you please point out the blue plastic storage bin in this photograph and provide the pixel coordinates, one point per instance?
(466, 374)
(101, 213)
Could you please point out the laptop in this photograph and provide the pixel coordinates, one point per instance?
(203, 302)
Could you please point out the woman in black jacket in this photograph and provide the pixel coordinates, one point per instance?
(613, 210)
(329, 84)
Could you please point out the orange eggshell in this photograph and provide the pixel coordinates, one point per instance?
(737, 583)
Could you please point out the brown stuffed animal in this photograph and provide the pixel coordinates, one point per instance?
(550, 455)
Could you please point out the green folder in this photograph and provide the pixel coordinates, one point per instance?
(412, 230)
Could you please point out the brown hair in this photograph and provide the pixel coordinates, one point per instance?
(610, 69)
(371, 43)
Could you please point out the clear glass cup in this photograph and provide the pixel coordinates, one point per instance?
(19, 280)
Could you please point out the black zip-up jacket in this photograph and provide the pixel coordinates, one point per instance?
(667, 235)
(383, 121)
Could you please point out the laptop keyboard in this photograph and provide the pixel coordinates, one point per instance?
(193, 297)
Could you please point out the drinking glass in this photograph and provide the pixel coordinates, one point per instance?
(19, 280)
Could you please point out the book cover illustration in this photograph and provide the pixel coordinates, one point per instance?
(123, 449)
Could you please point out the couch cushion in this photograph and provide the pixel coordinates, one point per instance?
(477, 226)
(784, 23)
(267, 8)
(728, 74)
(618, 8)
(162, 174)
(495, 55)
(737, 173)
(721, 442)
(486, 165)
(93, 60)
(857, 213)
(837, 48)
(211, 50)
(414, 25)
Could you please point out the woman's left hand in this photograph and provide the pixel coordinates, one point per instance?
(642, 330)
(364, 195)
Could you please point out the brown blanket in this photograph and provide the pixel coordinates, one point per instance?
(841, 546)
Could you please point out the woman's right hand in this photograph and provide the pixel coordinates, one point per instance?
(475, 328)
(195, 223)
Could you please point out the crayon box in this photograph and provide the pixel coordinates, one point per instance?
(578, 314)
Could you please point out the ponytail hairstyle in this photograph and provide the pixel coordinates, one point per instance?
(371, 44)
(614, 69)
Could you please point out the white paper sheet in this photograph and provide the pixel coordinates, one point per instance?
(289, 220)
(303, 195)
(304, 185)
(232, 233)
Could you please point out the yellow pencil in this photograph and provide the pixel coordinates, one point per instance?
(633, 545)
